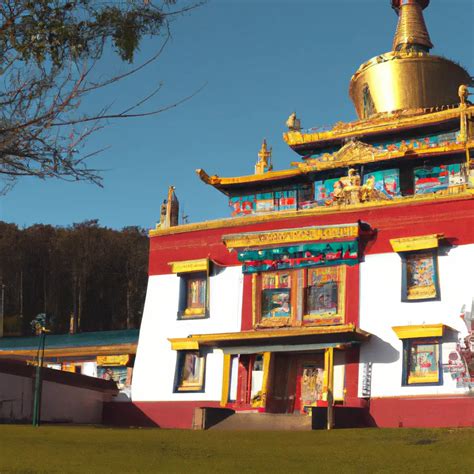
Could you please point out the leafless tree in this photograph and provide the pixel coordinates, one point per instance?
(49, 50)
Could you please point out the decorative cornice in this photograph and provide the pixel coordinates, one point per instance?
(455, 193)
(286, 236)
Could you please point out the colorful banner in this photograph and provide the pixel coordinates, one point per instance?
(299, 256)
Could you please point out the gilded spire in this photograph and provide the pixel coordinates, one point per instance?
(264, 159)
(411, 29)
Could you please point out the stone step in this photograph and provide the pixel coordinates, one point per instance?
(264, 422)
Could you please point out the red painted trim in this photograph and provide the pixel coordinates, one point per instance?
(352, 295)
(352, 377)
(423, 412)
(452, 218)
(157, 414)
(439, 412)
(247, 304)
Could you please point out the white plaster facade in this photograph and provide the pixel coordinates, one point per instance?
(155, 363)
(381, 308)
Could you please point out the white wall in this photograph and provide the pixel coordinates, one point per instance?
(155, 362)
(59, 402)
(381, 308)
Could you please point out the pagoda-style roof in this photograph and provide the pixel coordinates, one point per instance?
(351, 154)
(376, 128)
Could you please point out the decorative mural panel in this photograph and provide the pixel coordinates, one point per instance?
(396, 145)
(325, 296)
(430, 179)
(420, 276)
(299, 256)
(422, 361)
(324, 191)
(386, 181)
(274, 200)
(312, 383)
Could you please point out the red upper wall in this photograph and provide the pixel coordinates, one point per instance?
(453, 218)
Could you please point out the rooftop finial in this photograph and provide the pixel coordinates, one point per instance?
(264, 159)
(411, 29)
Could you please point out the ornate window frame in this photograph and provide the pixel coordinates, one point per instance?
(186, 361)
(415, 287)
(189, 272)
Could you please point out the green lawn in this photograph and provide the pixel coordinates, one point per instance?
(86, 450)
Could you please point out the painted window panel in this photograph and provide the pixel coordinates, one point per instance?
(325, 296)
(420, 276)
(190, 372)
(386, 181)
(194, 295)
(324, 191)
(430, 179)
(276, 295)
(422, 362)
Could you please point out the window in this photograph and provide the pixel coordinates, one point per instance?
(314, 296)
(421, 362)
(325, 296)
(190, 370)
(420, 275)
(275, 298)
(193, 296)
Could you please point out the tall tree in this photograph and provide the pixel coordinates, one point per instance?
(48, 52)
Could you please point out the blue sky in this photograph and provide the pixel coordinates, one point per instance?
(259, 60)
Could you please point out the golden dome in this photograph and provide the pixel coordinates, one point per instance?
(407, 77)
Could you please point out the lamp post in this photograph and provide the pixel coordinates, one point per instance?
(36, 418)
(2, 308)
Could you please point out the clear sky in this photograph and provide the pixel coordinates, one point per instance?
(259, 61)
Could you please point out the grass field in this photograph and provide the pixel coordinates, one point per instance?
(87, 450)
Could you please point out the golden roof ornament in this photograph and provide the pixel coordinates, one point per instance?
(264, 159)
(411, 29)
(293, 123)
(407, 79)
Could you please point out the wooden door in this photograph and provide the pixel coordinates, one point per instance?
(309, 383)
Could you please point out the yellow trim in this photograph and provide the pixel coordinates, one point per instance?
(184, 344)
(328, 379)
(267, 360)
(423, 330)
(420, 242)
(210, 339)
(371, 125)
(226, 379)
(317, 164)
(303, 234)
(255, 299)
(453, 193)
(186, 266)
(93, 351)
(425, 379)
(303, 167)
(268, 176)
(113, 360)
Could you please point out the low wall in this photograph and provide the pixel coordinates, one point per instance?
(421, 412)
(157, 414)
(66, 397)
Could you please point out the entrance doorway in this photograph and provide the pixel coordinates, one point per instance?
(296, 383)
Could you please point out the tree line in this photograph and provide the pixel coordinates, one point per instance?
(84, 277)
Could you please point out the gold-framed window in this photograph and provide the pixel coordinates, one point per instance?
(301, 297)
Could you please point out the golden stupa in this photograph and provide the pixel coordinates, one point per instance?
(408, 77)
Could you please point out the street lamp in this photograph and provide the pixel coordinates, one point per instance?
(39, 325)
